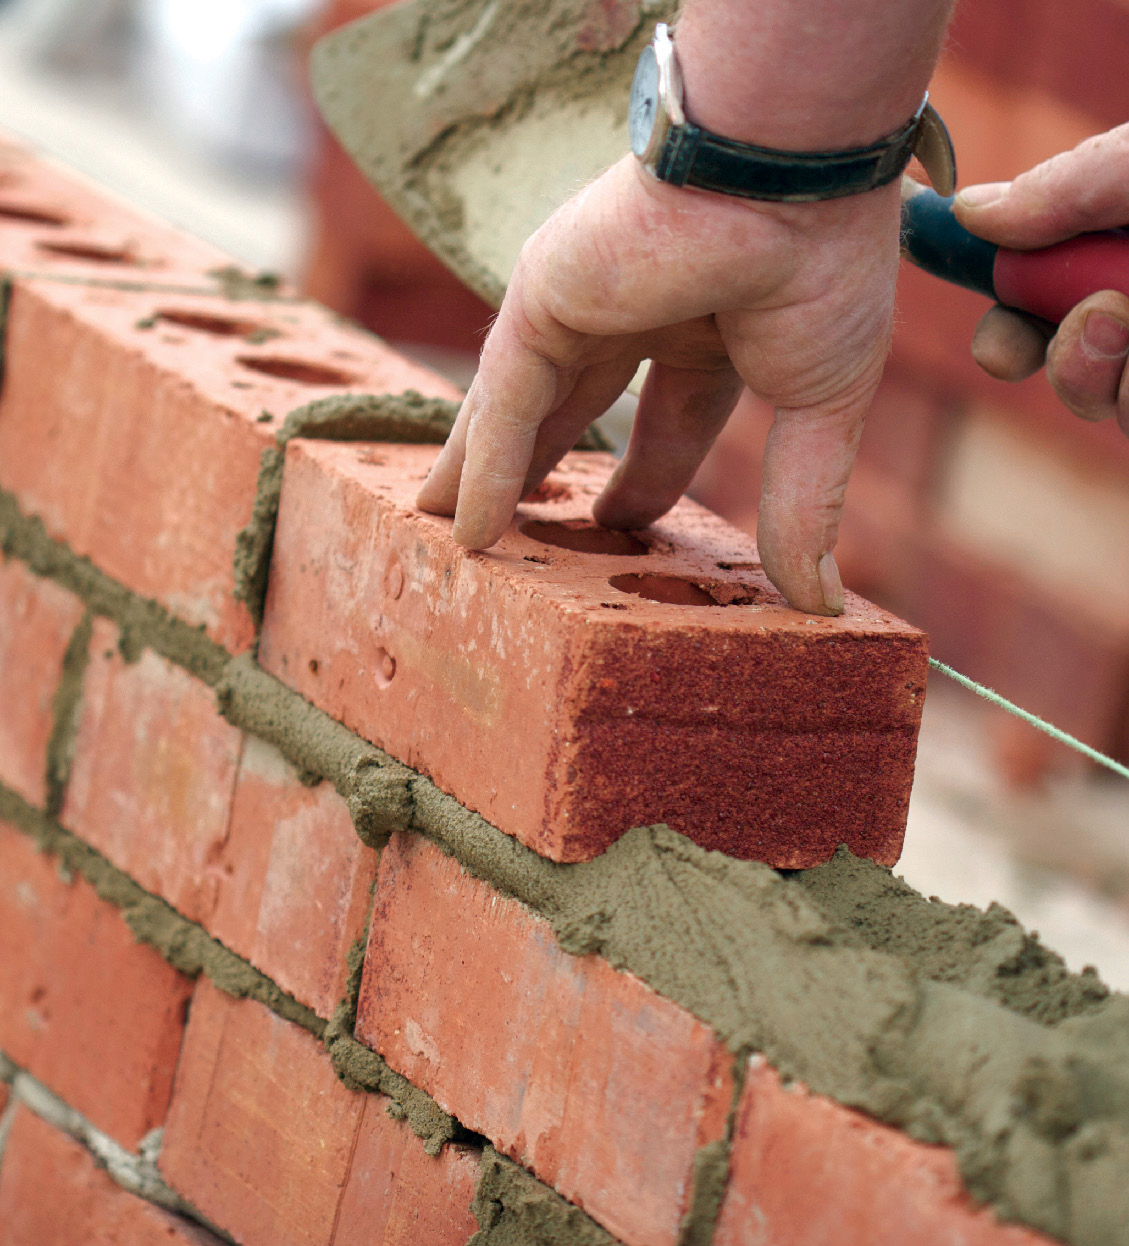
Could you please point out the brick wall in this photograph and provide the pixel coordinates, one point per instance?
(321, 920)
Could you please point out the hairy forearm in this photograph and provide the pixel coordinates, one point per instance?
(807, 74)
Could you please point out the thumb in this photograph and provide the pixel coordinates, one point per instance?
(1075, 192)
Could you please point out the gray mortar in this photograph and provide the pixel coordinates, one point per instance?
(362, 1069)
(513, 1208)
(141, 621)
(65, 713)
(374, 785)
(986, 952)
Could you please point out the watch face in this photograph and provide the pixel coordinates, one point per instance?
(643, 110)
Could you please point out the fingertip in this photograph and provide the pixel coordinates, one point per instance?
(831, 584)
(972, 198)
(1086, 362)
(1009, 346)
(435, 498)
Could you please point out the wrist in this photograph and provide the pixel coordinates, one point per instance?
(813, 76)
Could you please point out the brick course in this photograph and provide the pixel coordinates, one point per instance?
(555, 1058)
(88, 1011)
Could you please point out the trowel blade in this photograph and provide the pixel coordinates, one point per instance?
(477, 120)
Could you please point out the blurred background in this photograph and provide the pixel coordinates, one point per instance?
(981, 512)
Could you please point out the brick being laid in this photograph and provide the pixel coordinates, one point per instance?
(573, 682)
(133, 424)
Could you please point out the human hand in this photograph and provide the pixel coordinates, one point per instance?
(793, 300)
(1079, 191)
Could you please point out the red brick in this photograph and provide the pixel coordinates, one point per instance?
(295, 881)
(53, 221)
(806, 1171)
(260, 1132)
(566, 711)
(53, 1193)
(37, 620)
(585, 1075)
(140, 446)
(398, 1195)
(84, 1008)
(153, 775)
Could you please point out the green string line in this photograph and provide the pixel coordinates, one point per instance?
(1054, 732)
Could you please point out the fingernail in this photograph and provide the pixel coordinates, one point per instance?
(831, 584)
(980, 196)
(1105, 335)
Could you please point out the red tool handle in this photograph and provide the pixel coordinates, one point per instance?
(1050, 281)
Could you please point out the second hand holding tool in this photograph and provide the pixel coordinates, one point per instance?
(1046, 282)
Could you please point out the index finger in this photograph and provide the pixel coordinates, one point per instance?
(480, 473)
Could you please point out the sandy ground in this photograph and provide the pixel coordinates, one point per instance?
(1058, 858)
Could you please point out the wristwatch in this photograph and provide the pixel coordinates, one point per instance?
(683, 154)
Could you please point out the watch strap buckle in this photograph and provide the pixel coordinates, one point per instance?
(933, 147)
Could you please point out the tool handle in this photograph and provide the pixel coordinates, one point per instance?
(1052, 280)
(1046, 282)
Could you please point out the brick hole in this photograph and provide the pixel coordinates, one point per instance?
(739, 566)
(585, 538)
(32, 216)
(296, 370)
(385, 667)
(95, 252)
(670, 590)
(202, 322)
(549, 491)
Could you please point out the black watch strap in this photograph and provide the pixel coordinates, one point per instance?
(692, 156)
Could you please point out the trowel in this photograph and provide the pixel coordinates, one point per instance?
(477, 119)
